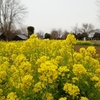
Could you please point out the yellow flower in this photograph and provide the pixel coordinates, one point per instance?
(13, 56)
(95, 78)
(25, 67)
(91, 50)
(48, 96)
(74, 79)
(43, 78)
(38, 87)
(71, 89)
(58, 59)
(63, 69)
(11, 48)
(19, 59)
(42, 60)
(3, 75)
(97, 85)
(77, 56)
(97, 71)
(13, 69)
(4, 66)
(12, 96)
(78, 69)
(49, 70)
(71, 39)
(83, 51)
(94, 63)
(33, 36)
(63, 98)
(1, 92)
(27, 81)
(84, 98)
(3, 98)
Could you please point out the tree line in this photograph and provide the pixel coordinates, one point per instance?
(12, 13)
(86, 31)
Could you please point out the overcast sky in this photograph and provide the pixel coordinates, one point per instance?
(46, 15)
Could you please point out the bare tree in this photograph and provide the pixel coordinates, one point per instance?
(65, 33)
(86, 28)
(98, 9)
(75, 29)
(59, 33)
(11, 14)
(96, 36)
(54, 34)
(40, 34)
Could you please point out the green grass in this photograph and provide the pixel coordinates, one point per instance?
(91, 42)
(84, 43)
(96, 42)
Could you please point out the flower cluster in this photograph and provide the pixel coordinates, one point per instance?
(48, 70)
(71, 89)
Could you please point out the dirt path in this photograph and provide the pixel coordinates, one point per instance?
(77, 47)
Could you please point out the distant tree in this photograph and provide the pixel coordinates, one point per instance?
(96, 36)
(59, 33)
(47, 36)
(13, 34)
(40, 34)
(54, 34)
(64, 35)
(11, 14)
(75, 29)
(86, 28)
(98, 9)
(79, 36)
(85, 35)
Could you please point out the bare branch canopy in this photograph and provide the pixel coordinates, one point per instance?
(11, 14)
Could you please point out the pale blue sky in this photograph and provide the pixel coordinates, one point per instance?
(46, 15)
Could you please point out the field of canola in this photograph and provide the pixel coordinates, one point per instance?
(48, 70)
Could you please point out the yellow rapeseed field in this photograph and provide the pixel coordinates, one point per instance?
(48, 70)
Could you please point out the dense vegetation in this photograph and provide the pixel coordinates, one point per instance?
(48, 70)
